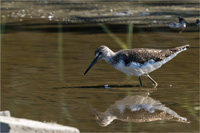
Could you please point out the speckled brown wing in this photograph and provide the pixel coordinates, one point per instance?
(142, 55)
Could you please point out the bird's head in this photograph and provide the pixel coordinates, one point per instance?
(100, 53)
(101, 118)
(182, 20)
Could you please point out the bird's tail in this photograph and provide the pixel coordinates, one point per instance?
(181, 48)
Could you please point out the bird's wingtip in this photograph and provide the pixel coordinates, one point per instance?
(187, 46)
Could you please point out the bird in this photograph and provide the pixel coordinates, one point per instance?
(198, 22)
(181, 24)
(138, 61)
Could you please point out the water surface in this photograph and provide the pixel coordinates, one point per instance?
(42, 65)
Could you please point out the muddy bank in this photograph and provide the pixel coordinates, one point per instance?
(100, 11)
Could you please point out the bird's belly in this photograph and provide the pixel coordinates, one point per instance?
(138, 69)
(128, 69)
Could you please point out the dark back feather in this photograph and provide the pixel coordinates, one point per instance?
(142, 55)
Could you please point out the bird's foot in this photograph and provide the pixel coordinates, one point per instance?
(155, 85)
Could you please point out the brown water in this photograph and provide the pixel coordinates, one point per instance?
(42, 66)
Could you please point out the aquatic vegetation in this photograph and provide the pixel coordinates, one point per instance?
(3, 24)
(129, 36)
(60, 51)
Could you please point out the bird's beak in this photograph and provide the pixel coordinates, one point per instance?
(92, 63)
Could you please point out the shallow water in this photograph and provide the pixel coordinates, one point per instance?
(43, 62)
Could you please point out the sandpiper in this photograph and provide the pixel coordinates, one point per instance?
(181, 24)
(137, 61)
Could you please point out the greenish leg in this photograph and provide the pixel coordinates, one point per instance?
(153, 81)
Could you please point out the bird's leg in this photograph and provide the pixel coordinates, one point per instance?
(140, 81)
(154, 82)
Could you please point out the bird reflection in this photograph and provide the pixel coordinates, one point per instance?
(137, 109)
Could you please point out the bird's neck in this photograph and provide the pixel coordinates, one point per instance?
(109, 56)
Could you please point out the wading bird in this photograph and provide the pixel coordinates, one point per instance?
(137, 61)
(181, 24)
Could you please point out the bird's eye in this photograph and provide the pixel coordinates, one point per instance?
(100, 53)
